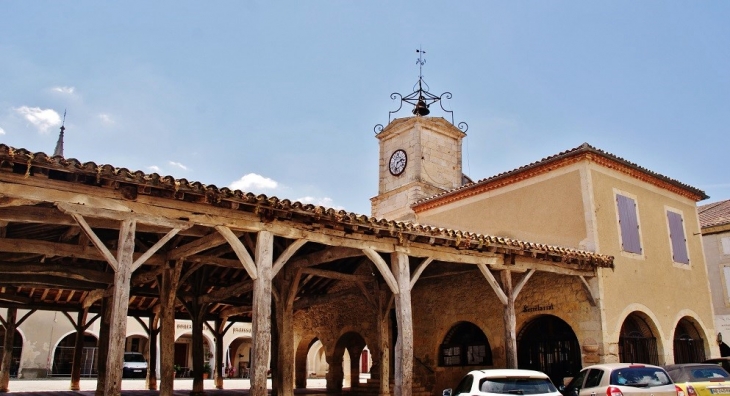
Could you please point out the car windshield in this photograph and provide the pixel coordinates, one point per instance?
(640, 377)
(517, 386)
(134, 358)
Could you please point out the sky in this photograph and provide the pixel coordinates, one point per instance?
(281, 97)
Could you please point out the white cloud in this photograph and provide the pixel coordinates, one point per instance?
(64, 90)
(43, 119)
(2, 131)
(154, 168)
(254, 182)
(179, 165)
(105, 118)
(327, 202)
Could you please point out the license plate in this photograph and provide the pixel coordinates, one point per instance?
(720, 391)
(139, 371)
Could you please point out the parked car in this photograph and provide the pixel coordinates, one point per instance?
(700, 379)
(504, 382)
(622, 379)
(135, 365)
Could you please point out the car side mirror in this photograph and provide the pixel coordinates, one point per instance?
(446, 392)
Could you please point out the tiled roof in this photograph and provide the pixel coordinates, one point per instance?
(22, 161)
(714, 214)
(555, 161)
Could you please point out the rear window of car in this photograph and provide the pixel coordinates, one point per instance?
(640, 377)
(517, 386)
(708, 373)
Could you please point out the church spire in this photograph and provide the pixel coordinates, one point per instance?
(59, 144)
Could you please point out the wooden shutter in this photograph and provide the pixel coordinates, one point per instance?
(629, 222)
(676, 235)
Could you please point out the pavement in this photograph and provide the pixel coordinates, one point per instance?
(136, 387)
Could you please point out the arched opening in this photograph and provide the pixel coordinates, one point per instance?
(548, 344)
(138, 343)
(184, 354)
(345, 362)
(306, 363)
(17, 350)
(64, 354)
(465, 344)
(637, 343)
(240, 354)
(689, 347)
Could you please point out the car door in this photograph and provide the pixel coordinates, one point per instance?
(574, 387)
(592, 385)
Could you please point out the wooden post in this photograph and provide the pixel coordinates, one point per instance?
(7, 361)
(120, 303)
(153, 331)
(404, 346)
(78, 349)
(168, 290)
(103, 352)
(383, 343)
(218, 374)
(510, 321)
(284, 310)
(199, 359)
(261, 315)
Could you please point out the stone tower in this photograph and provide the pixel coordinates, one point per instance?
(419, 157)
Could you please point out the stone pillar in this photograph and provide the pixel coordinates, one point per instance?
(335, 375)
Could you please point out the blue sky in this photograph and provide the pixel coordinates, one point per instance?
(282, 98)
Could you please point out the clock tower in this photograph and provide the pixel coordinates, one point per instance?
(419, 157)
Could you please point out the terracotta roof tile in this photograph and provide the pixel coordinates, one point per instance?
(90, 173)
(584, 149)
(714, 214)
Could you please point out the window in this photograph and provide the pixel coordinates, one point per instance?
(726, 279)
(594, 378)
(725, 242)
(677, 238)
(628, 224)
(465, 345)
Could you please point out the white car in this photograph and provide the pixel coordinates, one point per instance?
(504, 382)
(135, 365)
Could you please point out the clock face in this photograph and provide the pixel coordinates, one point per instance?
(398, 162)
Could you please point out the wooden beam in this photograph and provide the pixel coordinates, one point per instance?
(419, 270)
(382, 266)
(589, 291)
(201, 244)
(337, 275)
(30, 280)
(103, 249)
(493, 282)
(327, 255)
(15, 298)
(240, 250)
(61, 271)
(141, 259)
(522, 283)
(226, 293)
(286, 255)
(121, 213)
(53, 249)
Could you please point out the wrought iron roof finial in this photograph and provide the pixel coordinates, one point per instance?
(420, 98)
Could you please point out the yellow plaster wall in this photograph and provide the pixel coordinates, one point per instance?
(545, 209)
(650, 282)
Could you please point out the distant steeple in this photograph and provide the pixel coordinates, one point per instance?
(59, 144)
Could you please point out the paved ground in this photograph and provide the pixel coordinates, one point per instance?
(135, 387)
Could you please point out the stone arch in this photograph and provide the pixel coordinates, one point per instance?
(64, 350)
(18, 342)
(547, 343)
(689, 345)
(638, 339)
(239, 350)
(137, 343)
(465, 344)
(183, 350)
(301, 369)
(352, 343)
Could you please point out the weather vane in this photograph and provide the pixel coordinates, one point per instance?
(420, 98)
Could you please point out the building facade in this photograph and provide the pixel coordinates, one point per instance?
(715, 221)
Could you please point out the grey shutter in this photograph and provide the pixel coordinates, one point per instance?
(676, 234)
(630, 241)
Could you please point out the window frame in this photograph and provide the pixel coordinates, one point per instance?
(616, 193)
(678, 264)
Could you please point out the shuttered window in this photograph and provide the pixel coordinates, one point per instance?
(629, 222)
(676, 235)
